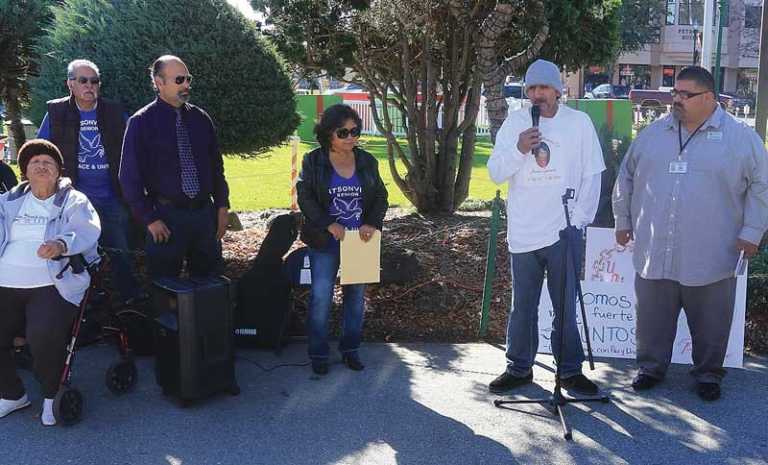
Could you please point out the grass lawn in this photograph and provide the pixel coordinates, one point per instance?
(264, 181)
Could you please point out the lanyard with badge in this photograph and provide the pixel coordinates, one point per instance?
(679, 166)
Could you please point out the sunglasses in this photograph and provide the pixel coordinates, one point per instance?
(343, 133)
(82, 80)
(180, 79)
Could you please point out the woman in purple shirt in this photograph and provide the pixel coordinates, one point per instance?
(339, 189)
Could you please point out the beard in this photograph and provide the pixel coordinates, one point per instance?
(678, 111)
(545, 106)
(183, 96)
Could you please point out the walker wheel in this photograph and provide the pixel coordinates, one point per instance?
(234, 390)
(68, 406)
(496, 403)
(121, 377)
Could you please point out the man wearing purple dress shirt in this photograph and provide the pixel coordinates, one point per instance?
(172, 176)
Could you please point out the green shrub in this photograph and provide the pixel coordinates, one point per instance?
(238, 77)
(613, 153)
(757, 303)
(757, 291)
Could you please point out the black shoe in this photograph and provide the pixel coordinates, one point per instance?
(320, 367)
(708, 391)
(353, 362)
(506, 381)
(579, 384)
(643, 382)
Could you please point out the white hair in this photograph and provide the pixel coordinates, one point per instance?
(79, 63)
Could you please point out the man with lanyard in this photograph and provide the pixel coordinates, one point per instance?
(88, 130)
(572, 159)
(693, 193)
(172, 175)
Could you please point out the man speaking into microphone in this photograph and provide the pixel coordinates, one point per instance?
(541, 152)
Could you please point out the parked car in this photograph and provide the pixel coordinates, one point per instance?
(349, 88)
(608, 91)
(734, 103)
(650, 98)
(514, 90)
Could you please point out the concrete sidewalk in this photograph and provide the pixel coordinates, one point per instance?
(413, 404)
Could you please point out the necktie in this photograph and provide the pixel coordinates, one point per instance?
(190, 184)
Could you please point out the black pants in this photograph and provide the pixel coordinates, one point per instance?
(49, 321)
(193, 236)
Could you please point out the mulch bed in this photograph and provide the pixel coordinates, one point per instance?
(436, 293)
(432, 279)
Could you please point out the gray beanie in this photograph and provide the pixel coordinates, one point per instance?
(543, 73)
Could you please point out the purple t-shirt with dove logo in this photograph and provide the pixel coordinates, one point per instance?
(346, 206)
(93, 177)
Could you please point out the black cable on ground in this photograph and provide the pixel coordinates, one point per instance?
(275, 367)
(407, 364)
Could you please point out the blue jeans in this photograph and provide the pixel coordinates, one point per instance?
(325, 265)
(115, 227)
(523, 326)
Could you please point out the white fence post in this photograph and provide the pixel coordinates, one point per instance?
(363, 108)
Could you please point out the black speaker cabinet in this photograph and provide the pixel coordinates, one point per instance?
(195, 354)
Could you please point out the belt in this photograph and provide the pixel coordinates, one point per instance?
(192, 204)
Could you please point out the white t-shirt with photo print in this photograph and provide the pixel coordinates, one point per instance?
(569, 157)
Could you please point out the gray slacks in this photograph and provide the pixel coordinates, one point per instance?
(709, 310)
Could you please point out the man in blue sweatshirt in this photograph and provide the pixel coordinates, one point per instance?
(88, 130)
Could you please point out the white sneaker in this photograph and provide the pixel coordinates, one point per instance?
(9, 406)
(47, 417)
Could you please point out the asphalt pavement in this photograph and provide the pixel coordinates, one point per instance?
(413, 404)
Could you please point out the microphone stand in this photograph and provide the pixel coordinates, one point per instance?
(557, 401)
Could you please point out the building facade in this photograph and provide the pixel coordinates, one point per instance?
(678, 44)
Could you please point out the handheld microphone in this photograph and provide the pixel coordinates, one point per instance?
(535, 115)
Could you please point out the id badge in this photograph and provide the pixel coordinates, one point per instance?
(678, 167)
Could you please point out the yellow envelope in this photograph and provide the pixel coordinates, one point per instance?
(360, 261)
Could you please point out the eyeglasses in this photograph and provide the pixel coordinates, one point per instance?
(181, 78)
(82, 80)
(684, 94)
(343, 133)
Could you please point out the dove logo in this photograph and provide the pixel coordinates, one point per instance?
(90, 147)
(347, 209)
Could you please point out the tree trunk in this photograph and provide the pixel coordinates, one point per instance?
(495, 69)
(446, 176)
(469, 137)
(13, 114)
(761, 116)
